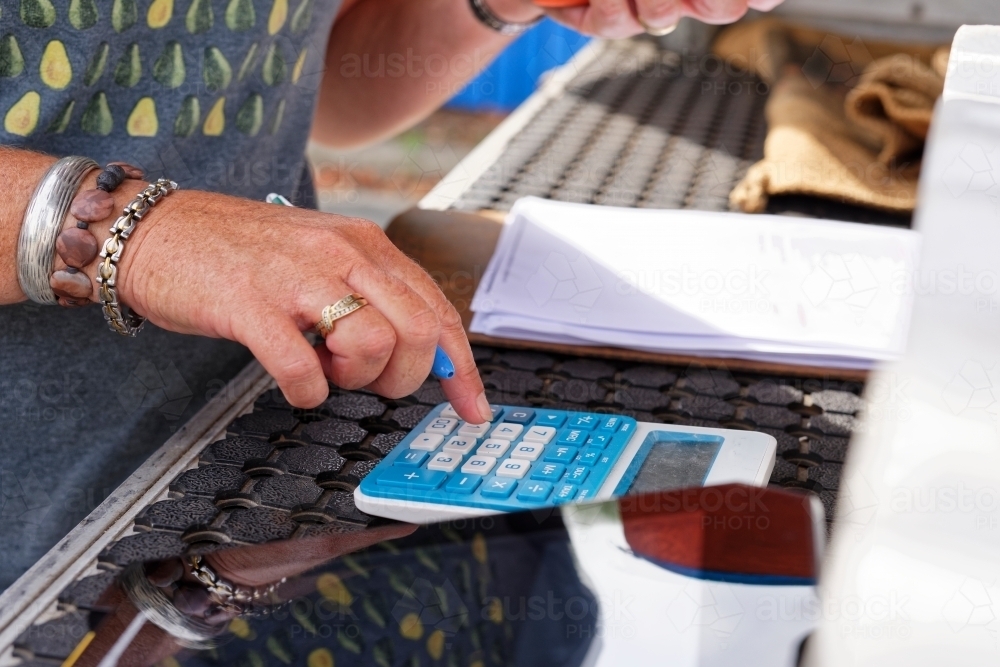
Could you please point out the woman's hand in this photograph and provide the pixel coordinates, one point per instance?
(617, 19)
(261, 274)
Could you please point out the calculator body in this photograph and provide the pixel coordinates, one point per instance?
(533, 458)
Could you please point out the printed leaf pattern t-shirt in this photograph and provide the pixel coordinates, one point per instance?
(216, 94)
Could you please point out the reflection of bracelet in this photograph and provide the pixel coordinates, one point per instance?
(233, 597)
(486, 16)
(120, 318)
(158, 609)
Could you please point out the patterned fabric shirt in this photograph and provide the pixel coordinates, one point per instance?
(216, 94)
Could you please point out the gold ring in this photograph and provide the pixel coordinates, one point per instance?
(335, 311)
(657, 32)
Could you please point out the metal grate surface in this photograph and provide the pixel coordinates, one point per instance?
(642, 126)
(285, 473)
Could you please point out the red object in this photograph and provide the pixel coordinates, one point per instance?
(731, 530)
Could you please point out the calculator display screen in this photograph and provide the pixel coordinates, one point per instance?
(674, 464)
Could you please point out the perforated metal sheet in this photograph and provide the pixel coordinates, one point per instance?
(642, 126)
(282, 472)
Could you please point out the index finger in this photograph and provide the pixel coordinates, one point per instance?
(465, 390)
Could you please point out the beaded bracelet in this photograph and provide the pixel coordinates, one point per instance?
(76, 246)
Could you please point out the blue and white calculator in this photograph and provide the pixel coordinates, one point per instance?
(530, 458)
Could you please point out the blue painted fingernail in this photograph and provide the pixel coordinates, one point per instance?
(442, 369)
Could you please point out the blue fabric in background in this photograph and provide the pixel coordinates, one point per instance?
(512, 77)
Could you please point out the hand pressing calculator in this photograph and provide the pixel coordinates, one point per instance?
(529, 458)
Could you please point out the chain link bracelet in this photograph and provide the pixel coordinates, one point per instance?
(120, 318)
(229, 596)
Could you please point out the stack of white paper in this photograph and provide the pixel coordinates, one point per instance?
(790, 290)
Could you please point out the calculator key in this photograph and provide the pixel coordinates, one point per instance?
(462, 483)
(494, 448)
(541, 434)
(548, 472)
(497, 410)
(506, 431)
(560, 454)
(448, 411)
(428, 442)
(534, 491)
(411, 458)
(446, 461)
(564, 493)
(518, 415)
(513, 468)
(553, 419)
(527, 451)
(498, 487)
(479, 465)
(572, 436)
(586, 422)
(590, 456)
(610, 424)
(460, 445)
(577, 474)
(442, 425)
(474, 430)
(417, 479)
(599, 440)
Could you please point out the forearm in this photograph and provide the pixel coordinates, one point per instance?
(20, 172)
(390, 63)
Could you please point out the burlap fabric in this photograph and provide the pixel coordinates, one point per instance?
(847, 118)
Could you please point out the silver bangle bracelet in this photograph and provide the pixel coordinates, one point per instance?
(43, 220)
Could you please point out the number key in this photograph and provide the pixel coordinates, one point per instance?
(479, 465)
(473, 430)
(442, 426)
(494, 448)
(505, 431)
(513, 468)
(540, 434)
(460, 445)
(446, 461)
(528, 451)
